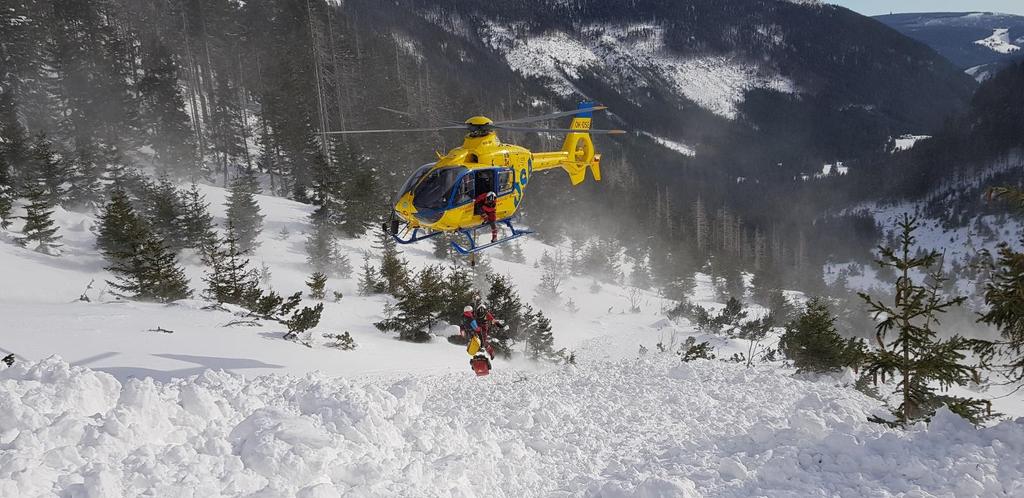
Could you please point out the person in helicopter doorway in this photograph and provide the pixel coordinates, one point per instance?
(486, 206)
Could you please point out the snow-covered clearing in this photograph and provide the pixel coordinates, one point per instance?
(681, 148)
(209, 410)
(999, 41)
(907, 142)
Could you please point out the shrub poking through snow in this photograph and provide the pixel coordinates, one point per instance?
(813, 344)
(341, 341)
(693, 350)
(917, 359)
(730, 320)
(303, 320)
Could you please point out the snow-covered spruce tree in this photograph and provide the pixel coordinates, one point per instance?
(162, 108)
(504, 303)
(322, 252)
(512, 251)
(49, 171)
(369, 280)
(119, 229)
(916, 356)
(458, 293)
(244, 211)
(640, 277)
(148, 271)
(317, 284)
(540, 341)
(394, 271)
(418, 308)
(165, 214)
(39, 231)
(549, 288)
(442, 247)
(197, 222)
(6, 192)
(88, 166)
(362, 193)
(1004, 296)
(813, 344)
(229, 277)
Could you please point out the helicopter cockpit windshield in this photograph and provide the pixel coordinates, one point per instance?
(411, 182)
(432, 193)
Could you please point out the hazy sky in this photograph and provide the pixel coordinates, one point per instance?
(875, 7)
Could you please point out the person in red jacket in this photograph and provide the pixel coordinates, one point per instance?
(486, 205)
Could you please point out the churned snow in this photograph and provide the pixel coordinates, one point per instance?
(705, 428)
(999, 41)
(681, 148)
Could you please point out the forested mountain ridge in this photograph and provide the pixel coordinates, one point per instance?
(761, 92)
(981, 43)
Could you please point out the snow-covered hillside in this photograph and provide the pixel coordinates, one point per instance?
(216, 410)
(999, 41)
(635, 58)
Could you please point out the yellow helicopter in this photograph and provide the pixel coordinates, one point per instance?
(443, 196)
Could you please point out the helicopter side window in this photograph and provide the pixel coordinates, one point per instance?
(411, 182)
(504, 181)
(466, 189)
(433, 191)
(484, 181)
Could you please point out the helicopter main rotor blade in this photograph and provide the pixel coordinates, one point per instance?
(413, 116)
(396, 130)
(558, 130)
(545, 117)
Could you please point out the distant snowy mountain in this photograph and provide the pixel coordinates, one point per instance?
(980, 43)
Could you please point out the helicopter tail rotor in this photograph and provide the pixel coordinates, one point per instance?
(580, 147)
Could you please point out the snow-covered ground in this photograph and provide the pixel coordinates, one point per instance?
(210, 410)
(999, 41)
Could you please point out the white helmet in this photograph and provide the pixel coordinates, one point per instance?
(491, 196)
(467, 309)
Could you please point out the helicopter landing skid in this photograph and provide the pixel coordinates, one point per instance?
(415, 237)
(474, 248)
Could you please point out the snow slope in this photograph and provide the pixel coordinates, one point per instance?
(210, 410)
(999, 41)
(632, 56)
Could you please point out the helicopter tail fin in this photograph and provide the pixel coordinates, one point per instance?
(581, 148)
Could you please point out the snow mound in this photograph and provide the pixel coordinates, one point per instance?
(709, 428)
(999, 41)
